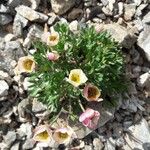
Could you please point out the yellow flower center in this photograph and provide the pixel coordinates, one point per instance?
(75, 78)
(52, 38)
(92, 92)
(27, 64)
(43, 135)
(63, 135)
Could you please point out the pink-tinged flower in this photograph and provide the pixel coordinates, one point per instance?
(53, 56)
(42, 134)
(64, 135)
(90, 118)
(92, 93)
(25, 64)
(50, 39)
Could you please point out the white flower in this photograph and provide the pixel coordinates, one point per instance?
(77, 77)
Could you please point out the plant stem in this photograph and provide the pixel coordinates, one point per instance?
(81, 106)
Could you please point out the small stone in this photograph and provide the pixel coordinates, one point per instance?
(31, 14)
(29, 144)
(88, 147)
(110, 144)
(4, 9)
(107, 11)
(9, 138)
(120, 7)
(76, 13)
(14, 3)
(53, 19)
(143, 41)
(62, 6)
(137, 2)
(3, 88)
(132, 89)
(121, 34)
(98, 145)
(73, 26)
(144, 80)
(35, 31)
(25, 130)
(38, 106)
(139, 10)
(129, 11)
(15, 146)
(139, 132)
(26, 83)
(35, 4)
(101, 16)
(127, 124)
(5, 19)
(105, 2)
(9, 37)
(146, 18)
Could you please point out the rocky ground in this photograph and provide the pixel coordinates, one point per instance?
(128, 126)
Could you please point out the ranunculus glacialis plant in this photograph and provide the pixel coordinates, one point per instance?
(90, 118)
(25, 64)
(92, 93)
(77, 77)
(64, 135)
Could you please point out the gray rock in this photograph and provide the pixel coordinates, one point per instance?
(5, 19)
(138, 135)
(98, 145)
(121, 34)
(74, 26)
(25, 130)
(4, 9)
(35, 3)
(18, 25)
(38, 106)
(139, 10)
(3, 88)
(29, 144)
(62, 6)
(143, 41)
(137, 2)
(35, 31)
(110, 144)
(132, 89)
(144, 80)
(146, 18)
(21, 109)
(76, 13)
(9, 37)
(9, 138)
(14, 3)
(53, 19)
(15, 146)
(31, 14)
(129, 11)
(101, 16)
(120, 7)
(105, 2)
(88, 147)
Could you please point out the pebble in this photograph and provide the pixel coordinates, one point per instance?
(53, 19)
(9, 138)
(61, 7)
(76, 13)
(29, 144)
(129, 11)
(31, 14)
(120, 7)
(73, 26)
(3, 88)
(146, 18)
(4, 9)
(15, 146)
(14, 3)
(98, 145)
(5, 19)
(110, 144)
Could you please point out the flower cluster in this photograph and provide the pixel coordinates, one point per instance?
(45, 134)
(70, 71)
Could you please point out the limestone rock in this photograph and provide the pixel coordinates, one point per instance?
(62, 6)
(143, 41)
(129, 11)
(139, 132)
(3, 88)
(31, 14)
(146, 18)
(5, 19)
(121, 34)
